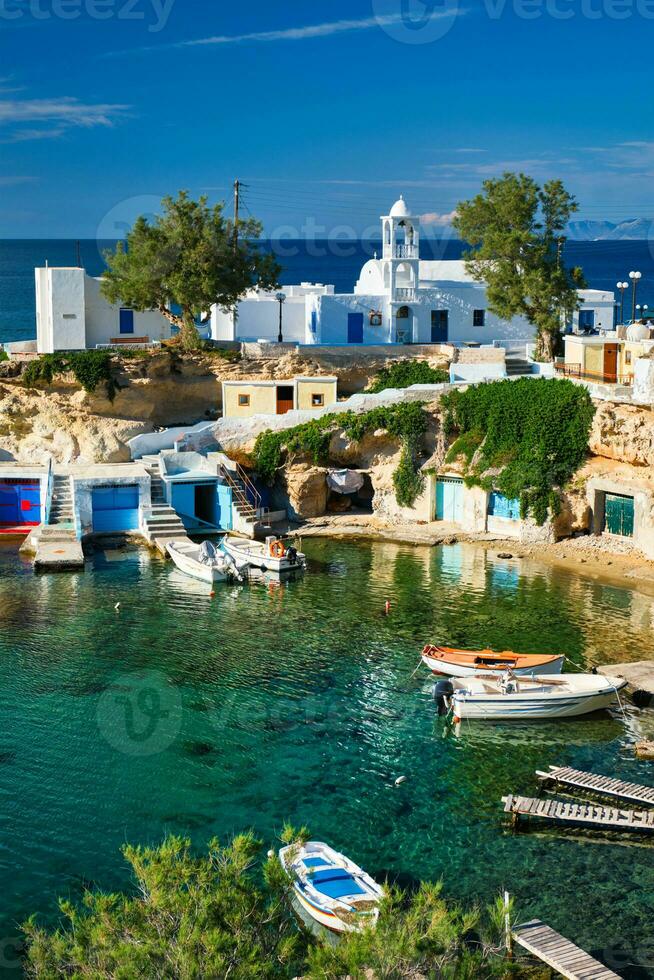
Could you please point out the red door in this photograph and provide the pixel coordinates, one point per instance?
(285, 399)
(611, 363)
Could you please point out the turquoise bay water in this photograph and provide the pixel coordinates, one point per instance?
(195, 715)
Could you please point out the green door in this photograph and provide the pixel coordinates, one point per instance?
(619, 515)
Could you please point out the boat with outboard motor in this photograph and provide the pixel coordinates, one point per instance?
(203, 561)
(331, 888)
(271, 555)
(510, 698)
(465, 663)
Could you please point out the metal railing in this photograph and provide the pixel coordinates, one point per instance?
(238, 484)
(406, 251)
(404, 293)
(576, 371)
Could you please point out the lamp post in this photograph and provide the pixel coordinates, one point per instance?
(623, 287)
(281, 299)
(642, 310)
(634, 276)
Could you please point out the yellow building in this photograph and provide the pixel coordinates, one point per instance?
(242, 399)
(609, 360)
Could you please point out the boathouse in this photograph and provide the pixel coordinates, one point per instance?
(196, 489)
(242, 399)
(110, 498)
(23, 496)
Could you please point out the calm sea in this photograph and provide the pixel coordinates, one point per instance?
(604, 263)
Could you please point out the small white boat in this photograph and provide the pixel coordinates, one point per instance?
(467, 663)
(509, 698)
(330, 888)
(203, 561)
(271, 555)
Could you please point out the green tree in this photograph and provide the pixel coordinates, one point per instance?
(185, 260)
(516, 232)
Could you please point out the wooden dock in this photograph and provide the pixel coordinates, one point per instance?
(599, 785)
(559, 953)
(591, 815)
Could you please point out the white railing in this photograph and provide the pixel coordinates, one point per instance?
(405, 293)
(406, 251)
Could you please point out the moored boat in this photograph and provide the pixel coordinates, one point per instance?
(465, 663)
(203, 561)
(271, 555)
(330, 888)
(509, 698)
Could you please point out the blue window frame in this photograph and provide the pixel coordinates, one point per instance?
(586, 319)
(501, 506)
(126, 320)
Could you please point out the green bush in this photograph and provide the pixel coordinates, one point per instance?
(4, 356)
(533, 431)
(406, 421)
(90, 368)
(403, 374)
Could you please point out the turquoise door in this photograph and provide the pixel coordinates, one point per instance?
(115, 509)
(449, 499)
(619, 515)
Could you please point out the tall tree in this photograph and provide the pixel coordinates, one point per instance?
(516, 232)
(185, 260)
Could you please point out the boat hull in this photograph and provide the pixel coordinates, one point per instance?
(521, 706)
(453, 668)
(188, 565)
(257, 558)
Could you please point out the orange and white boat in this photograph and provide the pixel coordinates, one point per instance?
(464, 663)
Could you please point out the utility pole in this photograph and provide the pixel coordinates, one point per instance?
(237, 206)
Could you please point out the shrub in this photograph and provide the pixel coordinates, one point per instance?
(534, 431)
(406, 421)
(403, 374)
(4, 356)
(90, 368)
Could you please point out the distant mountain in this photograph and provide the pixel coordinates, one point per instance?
(634, 229)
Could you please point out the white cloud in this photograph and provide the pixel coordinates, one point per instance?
(37, 119)
(437, 220)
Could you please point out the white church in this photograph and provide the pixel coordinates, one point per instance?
(398, 299)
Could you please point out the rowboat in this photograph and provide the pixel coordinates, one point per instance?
(509, 698)
(271, 555)
(466, 663)
(330, 888)
(203, 561)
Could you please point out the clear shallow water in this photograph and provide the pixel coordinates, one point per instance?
(187, 714)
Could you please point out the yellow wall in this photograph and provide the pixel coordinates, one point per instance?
(306, 389)
(594, 361)
(574, 354)
(636, 349)
(263, 400)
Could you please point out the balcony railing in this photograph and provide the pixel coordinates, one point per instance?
(406, 251)
(404, 294)
(576, 371)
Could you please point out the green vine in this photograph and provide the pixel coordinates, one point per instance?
(90, 368)
(403, 374)
(406, 422)
(522, 438)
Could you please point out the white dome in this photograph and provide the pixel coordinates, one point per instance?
(399, 209)
(638, 331)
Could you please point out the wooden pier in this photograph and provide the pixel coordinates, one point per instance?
(559, 953)
(598, 785)
(591, 815)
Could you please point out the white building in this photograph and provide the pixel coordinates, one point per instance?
(72, 314)
(397, 299)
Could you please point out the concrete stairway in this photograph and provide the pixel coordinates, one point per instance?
(240, 498)
(164, 524)
(61, 505)
(517, 364)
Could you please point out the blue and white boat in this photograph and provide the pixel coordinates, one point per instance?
(330, 888)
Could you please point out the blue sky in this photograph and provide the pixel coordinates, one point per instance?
(327, 111)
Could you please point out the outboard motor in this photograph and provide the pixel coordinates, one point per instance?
(291, 554)
(443, 692)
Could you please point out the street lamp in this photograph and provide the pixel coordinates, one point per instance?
(281, 299)
(634, 276)
(642, 310)
(623, 287)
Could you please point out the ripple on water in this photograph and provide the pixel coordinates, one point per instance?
(202, 715)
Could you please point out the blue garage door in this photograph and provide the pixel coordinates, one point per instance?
(116, 509)
(449, 499)
(20, 503)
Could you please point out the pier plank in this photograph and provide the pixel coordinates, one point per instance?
(602, 785)
(559, 953)
(564, 811)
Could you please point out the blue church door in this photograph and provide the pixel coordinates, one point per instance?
(355, 328)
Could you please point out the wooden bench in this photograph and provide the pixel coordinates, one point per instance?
(129, 340)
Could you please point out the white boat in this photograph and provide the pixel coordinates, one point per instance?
(509, 697)
(467, 663)
(330, 888)
(203, 561)
(271, 555)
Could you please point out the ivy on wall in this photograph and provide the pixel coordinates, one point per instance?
(403, 374)
(406, 421)
(522, 438)
(90, 368)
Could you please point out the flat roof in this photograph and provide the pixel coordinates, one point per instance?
(274, 382)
